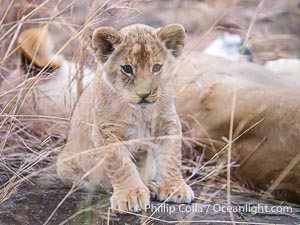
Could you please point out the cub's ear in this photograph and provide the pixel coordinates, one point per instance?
(173, 36)
(103, 41)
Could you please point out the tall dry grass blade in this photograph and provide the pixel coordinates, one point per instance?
(26, 17)
(285, 172)
(254, 150)
(6, 12)
(76, 214)
(16, 34)
(72, 190)
(252, 22)
(229, 153)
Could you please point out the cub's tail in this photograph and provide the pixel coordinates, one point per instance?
(37, 52)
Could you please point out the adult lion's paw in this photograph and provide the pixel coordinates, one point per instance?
(184, 195)
(132, 200)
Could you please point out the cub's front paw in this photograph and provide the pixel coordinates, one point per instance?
(130, 199)
(183, 195)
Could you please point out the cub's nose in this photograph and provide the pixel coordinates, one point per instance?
(143, 95)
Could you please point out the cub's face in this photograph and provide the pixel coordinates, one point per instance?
(137, 59)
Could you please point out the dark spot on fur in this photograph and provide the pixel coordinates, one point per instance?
(30, 68)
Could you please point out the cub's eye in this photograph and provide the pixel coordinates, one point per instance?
(156, 68)
(127, 70)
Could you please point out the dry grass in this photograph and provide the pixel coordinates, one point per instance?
(24, 153)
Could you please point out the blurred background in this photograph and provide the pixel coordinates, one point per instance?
(271, 27)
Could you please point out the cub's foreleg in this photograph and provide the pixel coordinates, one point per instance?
(129, 191)
(168, 159)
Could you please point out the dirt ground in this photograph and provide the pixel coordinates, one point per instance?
(34, 204)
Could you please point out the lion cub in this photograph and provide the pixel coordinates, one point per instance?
(125, 131)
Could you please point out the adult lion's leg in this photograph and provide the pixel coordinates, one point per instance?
(170, 183)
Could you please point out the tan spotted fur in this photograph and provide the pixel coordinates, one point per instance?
(112, 137)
